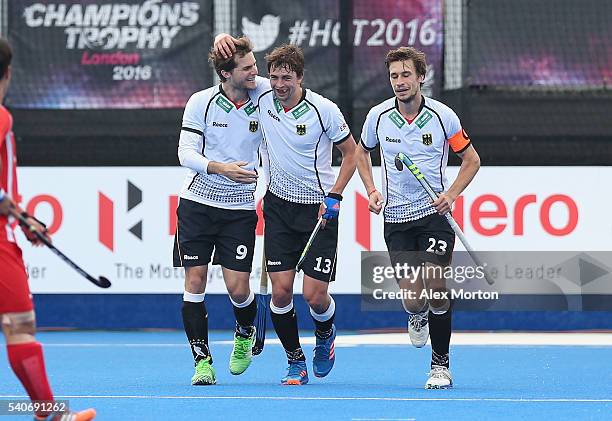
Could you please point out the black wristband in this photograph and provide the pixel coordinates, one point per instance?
(336, 196)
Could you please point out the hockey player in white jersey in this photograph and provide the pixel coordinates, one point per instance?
(219, 142)
(415, 230)
(300, 128)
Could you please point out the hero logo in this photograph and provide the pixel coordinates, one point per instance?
(479, 211)
(262, 34)
(478, 214)
(489, 206)
(106, 216)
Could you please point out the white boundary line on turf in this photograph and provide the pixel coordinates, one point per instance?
(329, 398)
(383, 419)
(458, 338)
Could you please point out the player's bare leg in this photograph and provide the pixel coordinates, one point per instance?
(245, 310)
(323, 311)
(27, 361)
(284, 319)
(195, 322)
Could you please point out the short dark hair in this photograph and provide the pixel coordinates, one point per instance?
(243, 47)
(287, 56)
(6, 54)
(408, 53)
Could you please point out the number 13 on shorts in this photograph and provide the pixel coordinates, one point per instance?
(323, 265)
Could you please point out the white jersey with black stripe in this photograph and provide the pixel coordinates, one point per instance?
(425, 140)
(215, 129)
(299, 143)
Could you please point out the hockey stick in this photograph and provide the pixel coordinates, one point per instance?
(309, 244)
(101, 282)
(263, 303)
(402, 159)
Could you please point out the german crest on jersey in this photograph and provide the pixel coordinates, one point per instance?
(427, 139)
(253, 126)
(301, 129)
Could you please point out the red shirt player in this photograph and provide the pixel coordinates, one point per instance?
(16, 308)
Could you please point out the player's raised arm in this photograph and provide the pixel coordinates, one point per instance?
(224, 45)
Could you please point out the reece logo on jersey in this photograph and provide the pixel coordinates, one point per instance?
(215, 124)
(273, 116)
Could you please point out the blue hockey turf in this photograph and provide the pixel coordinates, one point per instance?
(146, 376)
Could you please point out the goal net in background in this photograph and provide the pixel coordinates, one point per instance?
(530, 79)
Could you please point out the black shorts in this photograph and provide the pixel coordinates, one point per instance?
(202, 228)
(429, 239)
(288, 226)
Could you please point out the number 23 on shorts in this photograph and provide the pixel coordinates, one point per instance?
(437, 246)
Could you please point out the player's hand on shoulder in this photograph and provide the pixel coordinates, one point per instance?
(375, 202)
(235, 172)
(224, 45)
(443, 203)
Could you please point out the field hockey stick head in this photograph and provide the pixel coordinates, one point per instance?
(399, 163)
(103, 282)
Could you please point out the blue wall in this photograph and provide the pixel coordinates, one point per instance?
(132, 311)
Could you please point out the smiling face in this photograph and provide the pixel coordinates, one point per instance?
(405, 80)
(243, 75)
(285, 83)
(286, 70)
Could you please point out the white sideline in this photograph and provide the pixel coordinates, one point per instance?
(383, 339)
(327, 398)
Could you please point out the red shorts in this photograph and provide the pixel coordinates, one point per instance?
(15, 294)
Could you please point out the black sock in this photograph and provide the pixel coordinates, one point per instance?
(324, 329)
(195, 321)
(440, 334)
(286, 328)
(245, 318)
